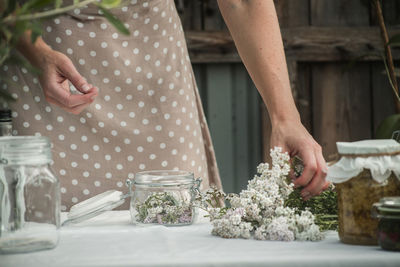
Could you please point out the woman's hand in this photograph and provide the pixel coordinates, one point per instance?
(56, 70)
(294, 138)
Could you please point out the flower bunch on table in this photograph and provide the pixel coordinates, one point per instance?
(259, 211)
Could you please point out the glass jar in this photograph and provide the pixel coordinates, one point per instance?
(355, 199)
(29, 195)
(387, 210)
(163, 197)
(5, 122)
(367, 171)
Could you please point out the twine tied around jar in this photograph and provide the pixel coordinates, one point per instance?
(336, 157)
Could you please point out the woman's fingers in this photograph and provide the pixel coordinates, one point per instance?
(69, 71)
(310, 167)
(74, 110)
(318, 182)
(66, 99)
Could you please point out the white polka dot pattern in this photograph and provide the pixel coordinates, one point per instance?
(148, 114)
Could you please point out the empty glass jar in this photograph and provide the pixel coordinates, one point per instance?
(163, 197)
(29, 195)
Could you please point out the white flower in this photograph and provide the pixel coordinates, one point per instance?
(260, 210)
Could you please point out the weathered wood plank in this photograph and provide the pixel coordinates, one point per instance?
(339, 12)
(382, 96)
(310, 44)
(341, 105)
(292, 13)
(240, 121)
(219, 106)
(304, 95)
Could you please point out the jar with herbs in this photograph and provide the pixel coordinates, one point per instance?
(29, 195)
(387, 210)
(367, 171)
(163, 197)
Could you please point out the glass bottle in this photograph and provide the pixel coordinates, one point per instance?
(5, 122)
(29, 195)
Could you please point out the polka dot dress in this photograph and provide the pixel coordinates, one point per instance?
(147, 116)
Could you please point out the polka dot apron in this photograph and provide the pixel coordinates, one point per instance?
(147, 116)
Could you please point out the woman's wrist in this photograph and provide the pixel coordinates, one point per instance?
(36, 52)
(285, 116)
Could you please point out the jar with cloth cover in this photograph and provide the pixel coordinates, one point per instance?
(367, 171)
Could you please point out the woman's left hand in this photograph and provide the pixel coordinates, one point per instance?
(295, 139)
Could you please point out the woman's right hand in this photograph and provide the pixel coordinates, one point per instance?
(56, 70)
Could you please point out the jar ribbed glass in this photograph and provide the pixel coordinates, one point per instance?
(163, 197)
(29, 195)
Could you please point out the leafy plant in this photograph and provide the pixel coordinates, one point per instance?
(17, 19)
(392, 123)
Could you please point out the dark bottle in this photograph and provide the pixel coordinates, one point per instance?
(5, 122)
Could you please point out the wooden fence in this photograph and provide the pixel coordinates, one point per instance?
(336, 103)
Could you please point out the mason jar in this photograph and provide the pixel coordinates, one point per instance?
(29, 195)
(163, 197)
(367, 171)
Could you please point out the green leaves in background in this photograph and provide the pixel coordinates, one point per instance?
(114, 21)
(388, 126)
(395, 41)
(110, 3)
(15, 20)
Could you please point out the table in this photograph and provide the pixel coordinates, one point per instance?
(110, 240)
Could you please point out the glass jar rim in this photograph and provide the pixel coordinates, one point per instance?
(164, 178)
(25, 150)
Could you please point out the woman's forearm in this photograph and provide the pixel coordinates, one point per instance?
(33, 52)
(254, 27)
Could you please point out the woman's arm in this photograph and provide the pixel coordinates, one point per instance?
(56, 70)
(254, 27)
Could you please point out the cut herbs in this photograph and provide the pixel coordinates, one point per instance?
(164, 208)
(260, 211)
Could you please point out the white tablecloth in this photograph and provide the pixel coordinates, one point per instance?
(110, 240)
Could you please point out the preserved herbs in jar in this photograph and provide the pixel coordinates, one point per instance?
(387, 210)
(29, 195)
(163, 197)
(368, 171)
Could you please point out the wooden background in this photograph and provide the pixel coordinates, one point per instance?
(336, 103)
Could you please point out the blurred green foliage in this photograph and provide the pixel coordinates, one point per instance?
(16, 19)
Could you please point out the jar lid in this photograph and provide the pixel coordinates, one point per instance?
(387, 207)
(5, 115)
(164, 178)
(390, 202)
(95, 206)
(365, 147)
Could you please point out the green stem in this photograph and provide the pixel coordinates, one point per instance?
(12, 18)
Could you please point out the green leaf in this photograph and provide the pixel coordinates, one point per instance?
(34, 5)
(388, 126)
(114, 21)
(58, 3)
(36, 28)
(395, 40)
(7, 96)
(11, 5)
(110, 3)
(18, 60)
(397, 72)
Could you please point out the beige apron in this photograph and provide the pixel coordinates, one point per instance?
(147, 116)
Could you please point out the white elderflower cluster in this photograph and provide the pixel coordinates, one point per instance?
(259, 210)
